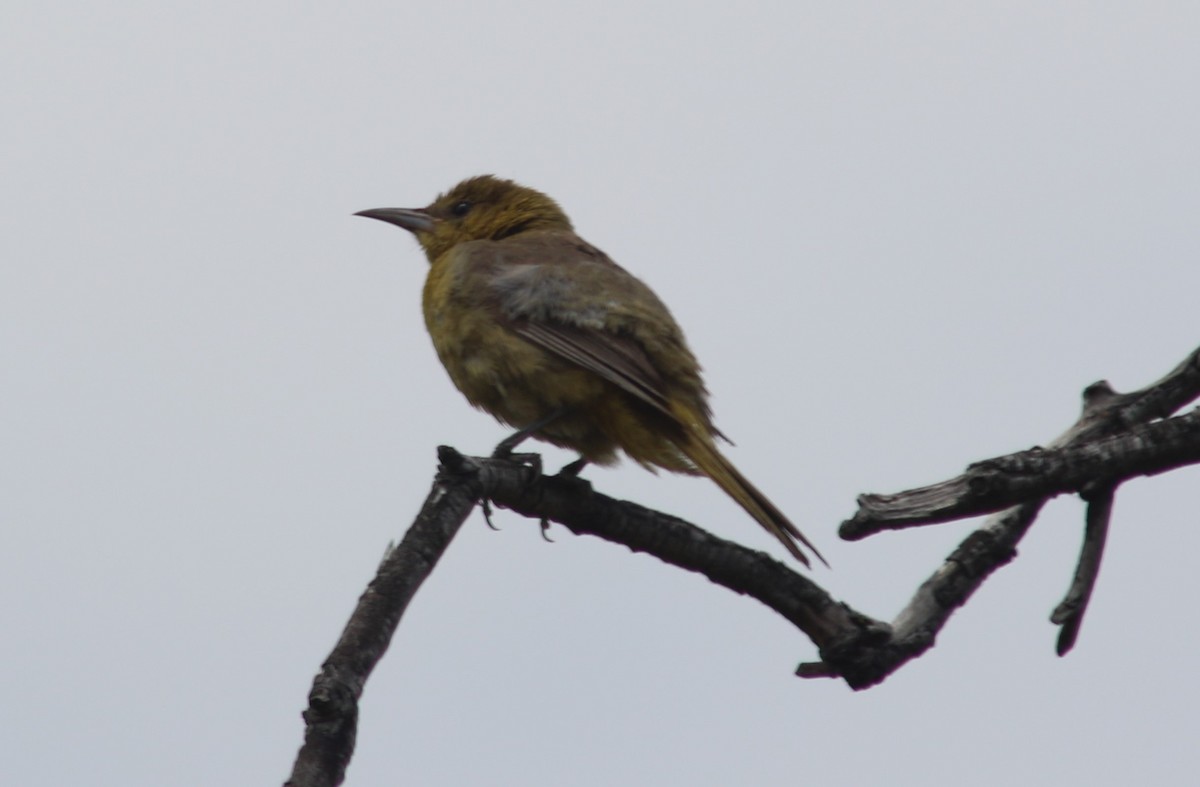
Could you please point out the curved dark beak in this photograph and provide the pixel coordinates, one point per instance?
(413, 220)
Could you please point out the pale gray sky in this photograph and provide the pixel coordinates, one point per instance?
(901, 237)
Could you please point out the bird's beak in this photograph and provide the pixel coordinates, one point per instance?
(411, 220)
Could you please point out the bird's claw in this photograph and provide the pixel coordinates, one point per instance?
(532, 461)
(485, 505)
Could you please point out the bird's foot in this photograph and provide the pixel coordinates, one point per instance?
(504, 452)
(532, 461)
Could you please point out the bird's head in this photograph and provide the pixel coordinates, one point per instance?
(480, 208)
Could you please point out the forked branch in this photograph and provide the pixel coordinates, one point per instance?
(1117, 437)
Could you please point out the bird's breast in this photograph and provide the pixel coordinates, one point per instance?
(492, 366)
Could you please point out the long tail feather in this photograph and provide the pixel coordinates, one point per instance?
(712, 463)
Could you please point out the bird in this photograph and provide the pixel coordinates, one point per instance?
(545, 332)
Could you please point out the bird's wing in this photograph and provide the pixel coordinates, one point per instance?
(571, 300)
(618, 359)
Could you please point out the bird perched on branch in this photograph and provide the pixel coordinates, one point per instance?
(542, 330)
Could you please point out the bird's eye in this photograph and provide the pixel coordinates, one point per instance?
(460, 208)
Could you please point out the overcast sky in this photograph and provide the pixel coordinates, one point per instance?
(900, 237)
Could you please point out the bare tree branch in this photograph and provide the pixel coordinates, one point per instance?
(1112, 441)
(571, 501)
(331, 720)
(1038, 473)
(1105, 413)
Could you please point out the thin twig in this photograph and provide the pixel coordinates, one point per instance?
(1105, 413)
(1039, 473)
(1069, 613)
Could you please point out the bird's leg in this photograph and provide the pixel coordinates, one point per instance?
(505, 448)
(573, 469)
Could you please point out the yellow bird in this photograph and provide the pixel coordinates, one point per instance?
(545, 332)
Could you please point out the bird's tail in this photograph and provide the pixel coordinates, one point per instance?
(711, 462)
